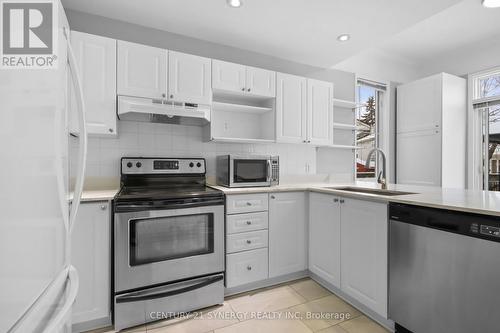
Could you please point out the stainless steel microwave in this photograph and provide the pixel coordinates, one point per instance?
(247, 170)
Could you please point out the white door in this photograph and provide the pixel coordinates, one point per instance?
(291, 108)
(91, 256)
(260, 82)
(419, 158)
(141, 70)
(287, 233)
(189, 78)
(324, 237)
(96, 57)
(420, 104)
(364, 252)
(228, 76)
(319, 112)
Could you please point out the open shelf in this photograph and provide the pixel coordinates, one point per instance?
(344, 126)
(344, 147)
(232, 107)
(342, 103)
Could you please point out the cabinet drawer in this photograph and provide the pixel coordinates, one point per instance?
(246, 241)
(246, 267)
(246, 203)
(246, 222)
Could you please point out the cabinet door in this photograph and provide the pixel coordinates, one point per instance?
(419, 158)
(287, 233)
(96, 58)
(364, 252)
(91, 256)
(260, 82)
(324, 237)
(319, 112)
(291, 108)
(228, 76)
(141, 70)
(420, 105)
(189, 78)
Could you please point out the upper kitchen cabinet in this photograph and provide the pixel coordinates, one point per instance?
(431, 132)
(319, 112)
(291, 108)
(96, 58)
(141, 70)
(189, 78)
(244, 80)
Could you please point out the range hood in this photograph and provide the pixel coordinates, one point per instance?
(161, 111)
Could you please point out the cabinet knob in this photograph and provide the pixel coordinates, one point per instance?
(249, 222)
(342, 200)
(273, 197)
(163, 95)
(248, 89)
(242, 89)
(249, 268)
(103, 207)
(249, 203)
(171, 96)
(335, 200)
(249, 241)
(110, 130)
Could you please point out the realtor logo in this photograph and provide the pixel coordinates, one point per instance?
(29, 34)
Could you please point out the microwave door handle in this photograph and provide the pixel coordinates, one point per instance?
(268, 171)
(167, 291)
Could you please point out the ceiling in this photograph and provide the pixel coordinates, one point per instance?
(304, 31)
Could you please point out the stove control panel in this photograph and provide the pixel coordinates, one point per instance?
(139, 165)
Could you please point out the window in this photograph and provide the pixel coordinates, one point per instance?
(486, 117)
(369, 97)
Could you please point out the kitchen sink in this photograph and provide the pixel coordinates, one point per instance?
(370, 190)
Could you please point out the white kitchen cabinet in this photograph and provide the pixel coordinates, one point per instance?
(244, 80)
(91, 256)
(324, 237)
(246, 267)
(431, 132)
(419, 161)
(141, 70)
(364, 252)
(189, 78)
(246, 203)
(96, 59)
(291, 108)
(287, 233)
(319, 112)
(260, 82)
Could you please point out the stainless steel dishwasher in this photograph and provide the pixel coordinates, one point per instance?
(444, 270)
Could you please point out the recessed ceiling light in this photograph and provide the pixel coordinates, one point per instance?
(343, 38)
(234, 3)
(491, 3)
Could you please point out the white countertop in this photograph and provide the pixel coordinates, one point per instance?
(481, 202)
(99, 195)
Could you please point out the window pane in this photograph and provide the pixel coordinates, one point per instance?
(365, 123)
(494, 149)
(488, 86)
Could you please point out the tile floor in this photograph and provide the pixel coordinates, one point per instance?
(301, 306)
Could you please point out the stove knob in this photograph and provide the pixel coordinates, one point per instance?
(138, 164)
(191, 164)
(129, 164)
(198, 165)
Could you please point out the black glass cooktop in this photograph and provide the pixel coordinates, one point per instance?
(166, 192)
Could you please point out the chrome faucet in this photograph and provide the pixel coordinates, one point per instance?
(381, 179)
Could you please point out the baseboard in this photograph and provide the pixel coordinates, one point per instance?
(266, 283)
(387, 323)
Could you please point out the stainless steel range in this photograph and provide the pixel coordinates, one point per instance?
(168, 240)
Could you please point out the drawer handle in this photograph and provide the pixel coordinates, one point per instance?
(249, 241)
(249, 268)
(249, 222)
(249, 203)
(335, 200)
(273, 197)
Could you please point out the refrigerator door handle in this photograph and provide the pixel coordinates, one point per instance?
(80, 102)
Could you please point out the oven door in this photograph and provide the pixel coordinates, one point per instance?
(159, 246)
(249, 171)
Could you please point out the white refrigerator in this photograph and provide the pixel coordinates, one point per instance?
(38, 285)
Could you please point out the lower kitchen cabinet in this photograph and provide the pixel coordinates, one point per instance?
(364, 252)
(324, 237)
(287, 233)
(246, 267)
(91, 256)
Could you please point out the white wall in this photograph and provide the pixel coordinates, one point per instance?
(165, 140)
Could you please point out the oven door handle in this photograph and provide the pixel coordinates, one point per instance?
(168, 291)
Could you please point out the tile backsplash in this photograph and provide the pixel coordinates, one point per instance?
(165, 140)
